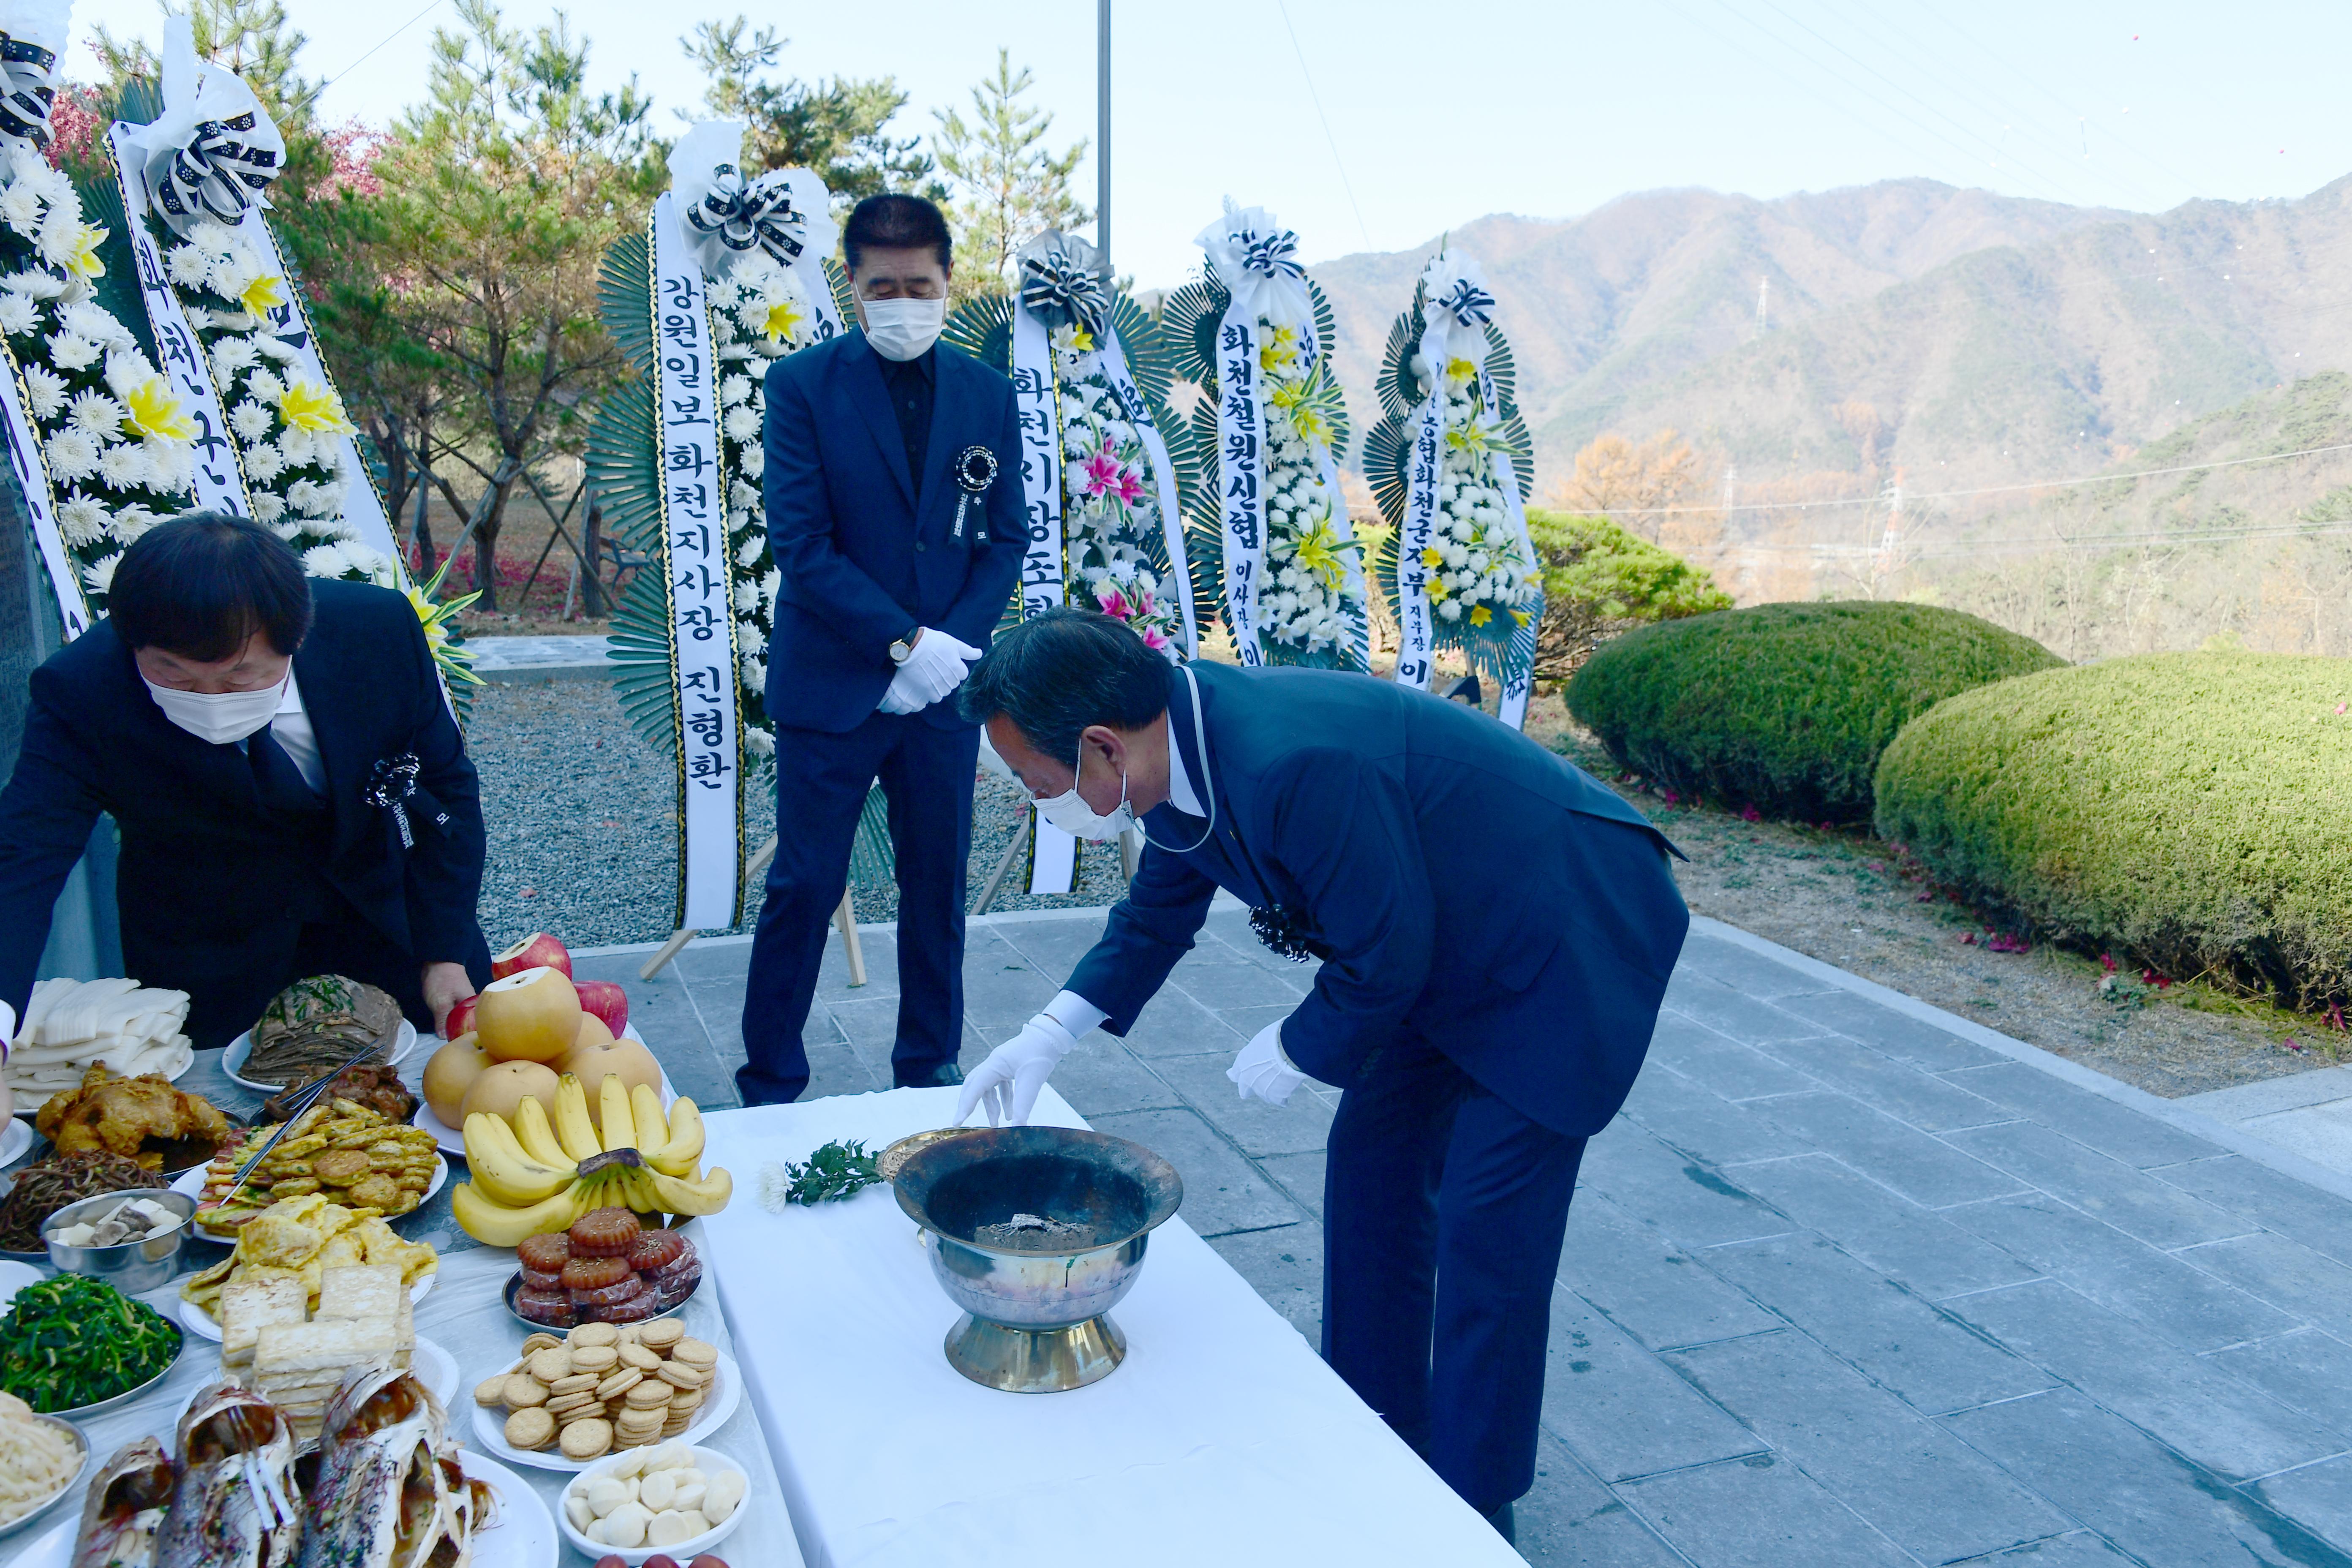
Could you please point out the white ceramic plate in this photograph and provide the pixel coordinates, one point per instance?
(524, 1536)
(234, 1058)
(710, 1461)
(726, 1394)
(200, 1322)
(15, 1141)
(192, 1183)
(452, 1140)
(14, 1277)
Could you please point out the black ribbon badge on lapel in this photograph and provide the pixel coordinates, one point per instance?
(392, 785)
(975, 470)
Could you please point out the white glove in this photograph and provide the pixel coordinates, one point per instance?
(1010, 1080)
(935, 668)
(1263, 1070)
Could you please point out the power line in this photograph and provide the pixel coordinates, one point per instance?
(385, 39)
(1316, 99)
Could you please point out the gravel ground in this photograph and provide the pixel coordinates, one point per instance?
(582, 837)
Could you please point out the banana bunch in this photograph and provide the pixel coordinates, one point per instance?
(534, 1175)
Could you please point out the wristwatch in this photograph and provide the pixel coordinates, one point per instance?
(904, 649)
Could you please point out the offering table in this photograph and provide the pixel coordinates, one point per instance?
(1222, 1437)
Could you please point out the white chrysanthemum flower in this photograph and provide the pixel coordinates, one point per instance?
(326, 561)
(747, 554)
(68, 350)
(742, 496)
(231, 355)
(252, 421)
(188, 266)
(21, 209)
(297, 445)
(1451, 609)
(755, 461)
(175, 463)
(263, 463)
(741, 424)
(97, 413)
(81, 522)
(372, 564)
(97, 324)
(72, 454)
(754, 674)
(127, 371)
(125, 467)
(131, 521)
(100, 577)
(46, 390)
(269, 508)
(771, 585)
(19, 315)
(276, 348)
(735, 389)
(264, 384)
(759, 741)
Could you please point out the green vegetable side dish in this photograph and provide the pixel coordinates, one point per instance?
(836, 1171)
(71, 1341)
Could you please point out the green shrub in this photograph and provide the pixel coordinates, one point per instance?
(2192, 809)
(1785, 707)
(1598, 578)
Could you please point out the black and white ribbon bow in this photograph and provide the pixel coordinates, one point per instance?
(219, 173)
(25, 94)
(1269, 255)
(1062, 290)
(392, 786)
(1466, 303)
(740, 215)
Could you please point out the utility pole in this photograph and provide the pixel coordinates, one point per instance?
(1763, 290)
(1102, 137)
(1890, 543)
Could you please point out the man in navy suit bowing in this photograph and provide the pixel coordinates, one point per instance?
(1495, 930)
(252, 731)
(894, 513)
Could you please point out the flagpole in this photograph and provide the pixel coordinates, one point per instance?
(1102, 135)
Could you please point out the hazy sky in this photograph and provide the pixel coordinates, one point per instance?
(1440, 113)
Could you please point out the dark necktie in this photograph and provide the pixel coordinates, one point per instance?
(281, 783)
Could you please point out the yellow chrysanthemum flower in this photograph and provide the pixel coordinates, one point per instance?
(313, 405)
(1437, 589)
(1278, 348)
(1481, 616)
(1317, 550)
(1460, 370)
(1432, 559)
(263, 294)
(154, 411)
(83, 259)
(783, 320)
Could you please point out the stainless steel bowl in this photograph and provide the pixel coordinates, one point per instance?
(81, 1467)
(129, 1267)
(1037, 1316)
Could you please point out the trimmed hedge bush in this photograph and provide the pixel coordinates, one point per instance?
(1785, 707)
(1598, 578)
(2194, 809)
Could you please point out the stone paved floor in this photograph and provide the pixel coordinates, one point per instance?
(1842, 1287)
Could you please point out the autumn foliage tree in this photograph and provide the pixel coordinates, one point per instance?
(1633, 483)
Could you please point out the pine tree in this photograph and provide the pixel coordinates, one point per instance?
(835, 127)
(1009, 187)
(252, 38)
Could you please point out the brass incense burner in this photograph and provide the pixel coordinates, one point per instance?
(1036, 1233)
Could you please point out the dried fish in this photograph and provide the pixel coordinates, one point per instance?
(237, 1504)
(123, 1512)
(390, 1492)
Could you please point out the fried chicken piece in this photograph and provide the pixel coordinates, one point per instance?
(142, 1119)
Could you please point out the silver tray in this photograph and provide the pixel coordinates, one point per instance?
(81, 1412)
(82, 1445)
(514, 1283)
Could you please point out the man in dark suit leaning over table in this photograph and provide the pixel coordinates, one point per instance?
(893, 490)
(235, 717)
(1496, 928)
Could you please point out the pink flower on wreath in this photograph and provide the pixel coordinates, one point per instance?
(1131, 485)
(1102, 474)
(1154, 638)
(1114, 602)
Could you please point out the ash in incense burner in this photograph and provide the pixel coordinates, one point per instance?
(1036, 1233)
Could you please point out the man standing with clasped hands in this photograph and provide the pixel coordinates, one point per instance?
(893, 497)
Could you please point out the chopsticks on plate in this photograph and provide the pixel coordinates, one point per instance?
(310, 1095)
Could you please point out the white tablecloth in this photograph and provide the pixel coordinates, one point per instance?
(1221, 1441)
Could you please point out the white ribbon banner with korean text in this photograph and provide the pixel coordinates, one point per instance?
(22, 438)
(1241, 445)
(219, 482)
(695, 567)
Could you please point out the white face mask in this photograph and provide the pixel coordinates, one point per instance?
(904, 328)
(1070, 813)
(219, 717)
